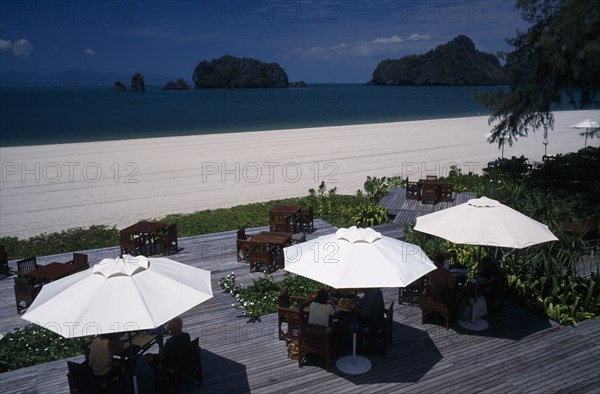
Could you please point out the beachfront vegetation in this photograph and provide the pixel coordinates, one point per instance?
(554, 61)
(559, 280)
(260, 298)
(33, 344)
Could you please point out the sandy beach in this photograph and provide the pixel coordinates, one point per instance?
(50, 188)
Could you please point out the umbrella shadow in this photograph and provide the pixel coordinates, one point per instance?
(410, 356)
(512, 322)
(219, 374)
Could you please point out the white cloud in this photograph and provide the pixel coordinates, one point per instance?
(381, 46)
(20, 48)
(418, 37)
(89, 51)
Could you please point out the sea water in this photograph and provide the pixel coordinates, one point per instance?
(50, 115)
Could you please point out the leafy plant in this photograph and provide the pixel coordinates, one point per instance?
(33, 344)
(370, 214)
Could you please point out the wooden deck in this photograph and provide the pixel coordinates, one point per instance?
(519, 353)
(406, 211)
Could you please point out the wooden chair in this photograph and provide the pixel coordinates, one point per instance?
(4, 268)
(429, 194)
(413, 192)
(436, 299)
(377, 330)
(25, 293)
(168, 241)
(82, 379)
(242, 245)
(446, 193)
(26, 265)
(411, 294)
(187, 363)
(80, 260)
(314, 338)
(289, 316)
(305, 222)
(261, 254)
(129, 244)
(281, 227)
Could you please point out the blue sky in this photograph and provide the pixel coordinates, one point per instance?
(314, 41)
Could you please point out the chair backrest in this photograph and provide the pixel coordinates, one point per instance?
(281, 227)
(313, 336)
(188, 358)
(4, 269)
(80, 259)
(437, 295)
(22, 289)
(172, 233)
(27, 265)
(81, 378)
(260, 252)
(241, 234)
(283, 299)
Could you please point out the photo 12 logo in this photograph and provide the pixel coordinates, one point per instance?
(269, 172)
(68, 172)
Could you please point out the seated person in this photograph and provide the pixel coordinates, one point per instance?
(490, 280)
(169, 351)
(371, 306)
(440, 276)
(320, 309)
(100, 358)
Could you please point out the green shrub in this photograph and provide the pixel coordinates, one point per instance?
(33, 344)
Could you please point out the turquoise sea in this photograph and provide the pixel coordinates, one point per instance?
(49, 115)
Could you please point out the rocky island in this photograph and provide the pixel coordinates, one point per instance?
(179, 84)
(235, 72)
(137, 84)
(454, 63)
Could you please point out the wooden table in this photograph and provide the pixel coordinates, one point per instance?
(147, 231)
(272, 238)
(53, 271)
(284, 213)
(430, 190)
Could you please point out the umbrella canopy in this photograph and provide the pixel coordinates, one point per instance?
(358, 258)
(585, 124)
(486, 222)
(124, 294)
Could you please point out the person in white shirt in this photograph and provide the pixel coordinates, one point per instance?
(320, 309)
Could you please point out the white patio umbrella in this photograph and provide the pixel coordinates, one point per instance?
(484, 222)
(585, 124)
(124, 294)
(357, 258)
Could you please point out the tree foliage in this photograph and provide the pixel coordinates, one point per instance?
(555, 61)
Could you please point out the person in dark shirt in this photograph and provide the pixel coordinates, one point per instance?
(169, 351)
(371, 306)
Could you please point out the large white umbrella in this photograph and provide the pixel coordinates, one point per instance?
(357, 258)
(585, 124)
(484, 222)
(123, 294)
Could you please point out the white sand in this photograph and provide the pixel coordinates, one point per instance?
(55, 187)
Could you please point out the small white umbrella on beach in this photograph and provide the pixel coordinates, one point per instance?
(586, 124)
(117, 295)
(484, 222)
(357, 258)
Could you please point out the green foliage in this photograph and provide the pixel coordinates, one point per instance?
(377, 188)
(370, 214)
(33, 344)
(260, 298)
(70, 240)
(466, 182)
(333, 208)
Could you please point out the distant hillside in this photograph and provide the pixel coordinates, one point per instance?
(236, 72)
(454, 63)
(75, 77)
